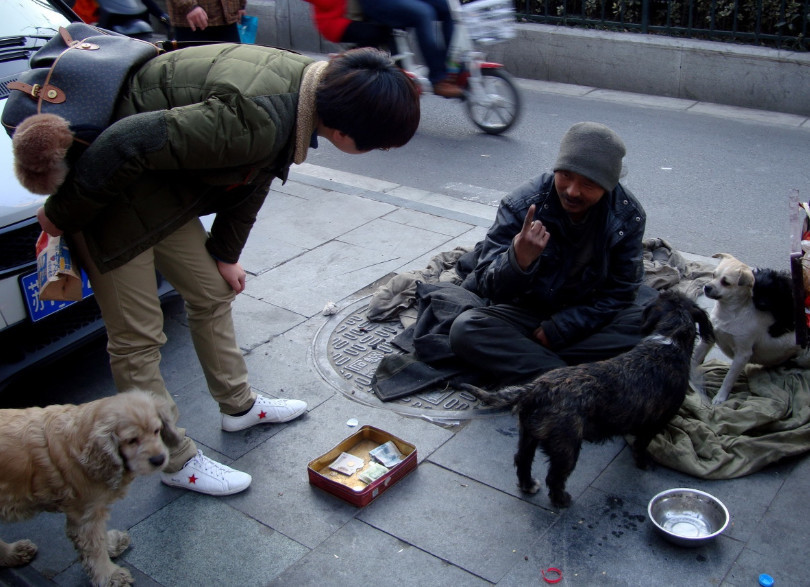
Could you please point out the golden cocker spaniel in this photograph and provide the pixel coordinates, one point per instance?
(79, 459)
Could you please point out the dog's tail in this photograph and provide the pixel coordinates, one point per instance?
(501, 398)
(705, 328)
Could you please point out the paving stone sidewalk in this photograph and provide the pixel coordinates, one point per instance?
(457, 519)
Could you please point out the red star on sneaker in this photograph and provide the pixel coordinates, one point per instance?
(262, 415)
(192, 479)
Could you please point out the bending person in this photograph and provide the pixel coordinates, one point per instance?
(198, 131)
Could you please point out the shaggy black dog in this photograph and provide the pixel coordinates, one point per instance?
(636, 393)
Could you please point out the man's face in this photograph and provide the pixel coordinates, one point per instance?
(577, 193)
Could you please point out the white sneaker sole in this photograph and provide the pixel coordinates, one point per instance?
(189, 487)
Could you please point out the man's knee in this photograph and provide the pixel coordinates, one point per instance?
(471, 331)
(462, 332)
(628, 321)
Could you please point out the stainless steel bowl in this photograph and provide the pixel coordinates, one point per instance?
(688, 517)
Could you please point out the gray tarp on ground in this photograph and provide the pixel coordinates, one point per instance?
(397, 297)
(765, 419)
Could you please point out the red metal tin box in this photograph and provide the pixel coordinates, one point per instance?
(349, 487)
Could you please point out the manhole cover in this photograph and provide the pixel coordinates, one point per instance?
(347, 350)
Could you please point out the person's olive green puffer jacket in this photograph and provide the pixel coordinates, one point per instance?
(199, 130)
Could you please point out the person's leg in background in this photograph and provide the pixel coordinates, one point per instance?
(369, 34)
(220, 34)
(445, 18)
(422, 17)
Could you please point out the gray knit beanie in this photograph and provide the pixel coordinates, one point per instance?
(593, 150)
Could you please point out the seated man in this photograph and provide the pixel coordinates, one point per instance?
(560, 268)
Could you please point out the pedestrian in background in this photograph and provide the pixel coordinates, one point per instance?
(206, 20)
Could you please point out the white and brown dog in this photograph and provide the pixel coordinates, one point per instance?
(79, 459)
(752, 319)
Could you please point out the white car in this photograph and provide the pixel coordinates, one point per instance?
(31, 331)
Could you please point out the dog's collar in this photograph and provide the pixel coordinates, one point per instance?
(660, 338)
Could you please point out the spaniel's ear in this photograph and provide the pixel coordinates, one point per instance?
(101, 457)
(171, 435)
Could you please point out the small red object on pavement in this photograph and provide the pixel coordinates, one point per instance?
(552, 575)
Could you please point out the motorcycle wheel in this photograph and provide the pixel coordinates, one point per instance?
(498, 106)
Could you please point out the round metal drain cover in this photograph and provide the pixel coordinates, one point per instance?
(347, 350)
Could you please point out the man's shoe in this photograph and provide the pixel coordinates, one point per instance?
(206, 476)
(265, 411)
(447, 89)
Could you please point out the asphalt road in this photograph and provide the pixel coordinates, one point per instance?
(710, 182)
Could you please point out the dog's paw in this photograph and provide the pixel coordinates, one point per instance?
(719, 399)
(703, 398)
(117, 542)
(641, 457)
(560, 499)
(121, 577)
(532, 487)
(643, 462)
(17, 553)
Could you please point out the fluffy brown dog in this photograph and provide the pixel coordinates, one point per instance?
(637, 393)
(78, 460)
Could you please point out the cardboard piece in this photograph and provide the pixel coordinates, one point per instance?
(58, 274)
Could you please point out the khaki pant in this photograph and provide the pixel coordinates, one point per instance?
(133, 316)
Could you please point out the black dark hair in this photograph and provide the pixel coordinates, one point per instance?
(773, 292)
(365, 95)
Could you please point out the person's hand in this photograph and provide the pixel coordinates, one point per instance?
(540, 336)
(197, 18)
(531, 241)
(46, 224)
(241, 13)
(233, 274)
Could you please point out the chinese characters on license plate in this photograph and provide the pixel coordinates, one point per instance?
(39, 309)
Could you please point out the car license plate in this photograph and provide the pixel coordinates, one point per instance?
(38, 309)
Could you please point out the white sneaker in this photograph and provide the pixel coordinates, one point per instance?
(265, 411)
(206, 476)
